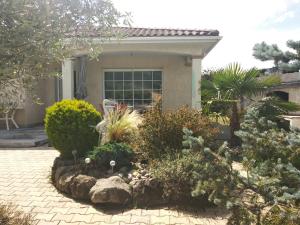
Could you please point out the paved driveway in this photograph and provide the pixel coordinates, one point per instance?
(24, 181)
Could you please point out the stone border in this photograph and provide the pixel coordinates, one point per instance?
(97, 187)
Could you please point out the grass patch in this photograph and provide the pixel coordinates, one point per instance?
(9, 215)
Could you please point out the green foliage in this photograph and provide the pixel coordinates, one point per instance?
(119, 152)
(176, 173)
(234, 83)
(268, 156)
(69, 126)
(217, 107)
(265, 52)
(272, 108)
(33, 34)
(161, 132)
(282, 216)
(285, 61)
(195, 173)
(263, 140)
(10, 215)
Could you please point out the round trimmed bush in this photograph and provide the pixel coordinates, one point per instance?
(69, 126)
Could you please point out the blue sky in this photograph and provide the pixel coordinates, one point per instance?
(242, 23)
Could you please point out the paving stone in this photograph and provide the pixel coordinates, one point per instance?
(82, 218)
(66, 223)
(150, 212)
(58, 210)
(44, 216)
(168, 212)
(63, 217)
(101, 218)
(136, 212)
(140, 219)
(179, 220)
(42, 222)
(24, 180)
(159, 219)
(40, 210)
(121, 218)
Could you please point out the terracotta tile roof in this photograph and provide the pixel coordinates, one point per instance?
(147, 32)
(156, 32)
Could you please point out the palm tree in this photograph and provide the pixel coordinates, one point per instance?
(236, 84)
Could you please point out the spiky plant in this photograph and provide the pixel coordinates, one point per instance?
(122, 123)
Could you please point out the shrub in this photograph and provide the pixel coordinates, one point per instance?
(69, 126)
(9, 215)
(263, 141)
(119, 152)
(185, 176)
(282, 216)
(161, 132)
(272, 108)
(176, 173)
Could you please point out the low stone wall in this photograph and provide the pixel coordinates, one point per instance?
(98, 186)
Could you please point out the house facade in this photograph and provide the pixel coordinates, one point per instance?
(132, 70)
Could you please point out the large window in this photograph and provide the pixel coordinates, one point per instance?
(135, 88)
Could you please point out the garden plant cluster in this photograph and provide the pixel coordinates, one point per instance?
(173, 158)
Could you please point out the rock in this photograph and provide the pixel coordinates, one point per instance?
(113, 190)
(59, 162)
(97, 173)
(135, 173)
(143, 172)
(124, 170)
(81, 186)
(64, 181)
(60, 171)
(147, 192)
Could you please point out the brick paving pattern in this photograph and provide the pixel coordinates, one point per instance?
(25, 182)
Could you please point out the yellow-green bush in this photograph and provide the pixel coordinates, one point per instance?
(70, 126)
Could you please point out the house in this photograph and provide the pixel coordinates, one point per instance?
(147, 61)
(289, 90)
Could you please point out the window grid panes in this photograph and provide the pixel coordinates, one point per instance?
(134, 88)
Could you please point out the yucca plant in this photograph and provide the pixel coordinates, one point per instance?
(122, 124)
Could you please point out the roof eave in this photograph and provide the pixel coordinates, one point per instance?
(171, 39)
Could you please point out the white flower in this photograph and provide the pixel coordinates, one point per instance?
(87, 160)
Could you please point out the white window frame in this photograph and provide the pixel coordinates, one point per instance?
(132, 70)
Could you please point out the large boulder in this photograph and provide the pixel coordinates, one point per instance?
(81, 186)
(64, 181)
(112, 190)
(147, 192)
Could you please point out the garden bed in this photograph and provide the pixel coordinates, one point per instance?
(124, 187)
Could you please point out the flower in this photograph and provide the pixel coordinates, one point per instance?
(87, 160)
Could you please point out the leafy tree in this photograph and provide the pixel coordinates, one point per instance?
(285, 61)
(33, 33)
